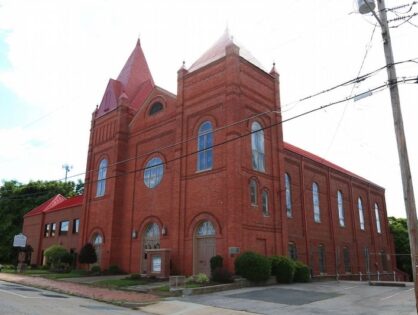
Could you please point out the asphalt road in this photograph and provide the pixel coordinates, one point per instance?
(17, 299)
(325, 298)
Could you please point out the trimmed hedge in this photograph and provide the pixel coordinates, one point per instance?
(221, 275)
(301, 272)
(253, 266)
(216, 262)
(282, 268)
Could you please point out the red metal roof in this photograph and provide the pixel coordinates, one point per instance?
(131, 81)
(56, 203)
(68, 203)
(322, 161)
(50, 203)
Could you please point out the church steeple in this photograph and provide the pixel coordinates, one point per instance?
(135, 80)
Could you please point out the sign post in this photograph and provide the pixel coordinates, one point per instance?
(19, 241)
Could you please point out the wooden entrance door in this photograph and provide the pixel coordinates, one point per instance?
(204, 247)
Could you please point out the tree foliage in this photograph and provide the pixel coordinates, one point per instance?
(17, 199)
(87, 254)
(399, 229)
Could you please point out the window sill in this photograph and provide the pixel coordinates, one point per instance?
(204, 170)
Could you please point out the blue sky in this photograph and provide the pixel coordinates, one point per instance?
(56, 58)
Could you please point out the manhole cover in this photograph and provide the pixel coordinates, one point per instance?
(285, 296)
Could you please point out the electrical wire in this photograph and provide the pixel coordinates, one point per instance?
(321, 107)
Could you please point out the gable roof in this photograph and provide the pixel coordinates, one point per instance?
(218, 50)
(50, 203)
(58, 202)
(318, 159)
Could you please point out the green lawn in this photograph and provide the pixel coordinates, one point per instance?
(49, 274)
(119, 283)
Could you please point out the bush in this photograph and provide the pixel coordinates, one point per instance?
(67, 258)
(135, 276)
(282, 268)
(216, 262)
(301, 272)
(201, 278)
(95, 270)
(114, 270)
(54, 255)
(252, 266)
(221, 275)
(87, 255)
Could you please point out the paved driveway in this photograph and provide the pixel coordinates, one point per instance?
(344, 297)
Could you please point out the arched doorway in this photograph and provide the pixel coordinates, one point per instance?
(150, 240)
(204, 247)
(97, 241)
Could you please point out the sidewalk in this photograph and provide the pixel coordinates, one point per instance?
(82, 290)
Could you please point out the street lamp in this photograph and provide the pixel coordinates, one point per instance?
(367, 6)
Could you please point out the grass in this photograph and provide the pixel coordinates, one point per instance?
(50, 274)
(119, 283)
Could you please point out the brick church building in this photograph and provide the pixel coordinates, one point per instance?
(172, 180)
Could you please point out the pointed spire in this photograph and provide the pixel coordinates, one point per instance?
(273, 69)
(136, 71)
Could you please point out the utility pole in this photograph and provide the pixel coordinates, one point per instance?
(408, 189)
(67, 168)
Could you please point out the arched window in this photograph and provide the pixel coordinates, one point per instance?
(346, 259)
(152, 236)
(265, 202)
(205, 229)
(204, 147)
(153, 173)
(287, 183)
(253, 192)
(321, 258)
(97, 241)
(360, 213)
(315, 199)
(376, 212)
(340, 202)
(292, 252)
(155, 108)
(257, 146)
(101, 178)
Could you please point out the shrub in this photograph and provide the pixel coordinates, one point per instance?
(87, 255)
(95, 270)
(216, 262)
(252, 266)
(201, 278)
(301, 272)
(114, 270)
(54, 255)
(67, 258)
(135, 276)
(282, 268)
(221, 275)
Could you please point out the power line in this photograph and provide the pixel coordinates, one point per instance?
(376, 89)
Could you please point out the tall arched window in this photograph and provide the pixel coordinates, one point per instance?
(154, 172)
(287, 183)
(346, 259)
(205, 229)
(315, 199)
(265, 202)
(97, 241)
(360, 213)
(101, 178)
(376, 212)
(152, 236)
(253, 192)
(340, 202)
(204, 147)
(321, 258)
(257, 147)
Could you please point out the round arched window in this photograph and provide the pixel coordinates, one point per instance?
(205, 229)
(155, 108)
(153, 173)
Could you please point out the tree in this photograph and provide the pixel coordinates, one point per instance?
(399, 229)
(87, 255)
(16, 200)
